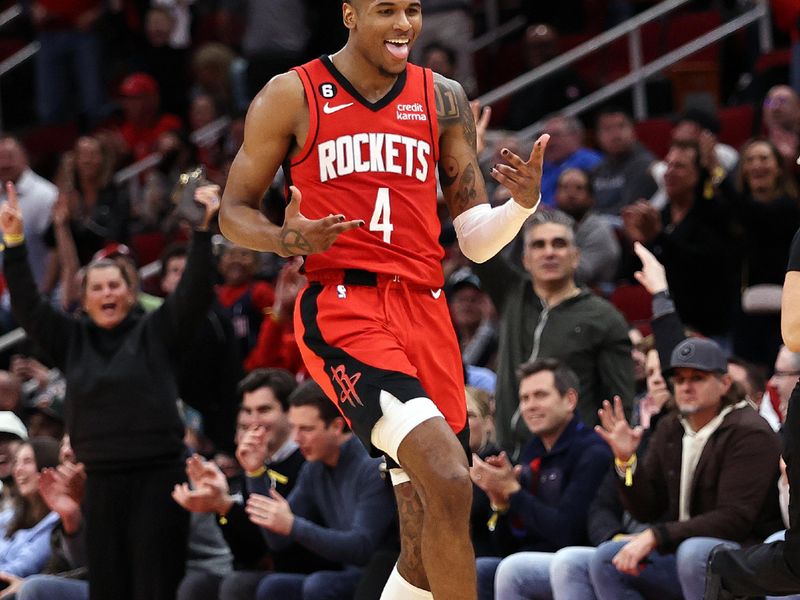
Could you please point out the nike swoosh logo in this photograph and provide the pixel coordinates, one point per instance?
(329, 110)
(437, 293)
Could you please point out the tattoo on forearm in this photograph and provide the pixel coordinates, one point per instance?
(448, 171)
(409, 508)
(466, 193)
(294, 243)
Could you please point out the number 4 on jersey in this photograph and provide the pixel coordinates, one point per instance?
(382, 215)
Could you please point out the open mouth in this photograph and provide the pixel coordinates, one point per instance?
(398, 48)
(108, 307)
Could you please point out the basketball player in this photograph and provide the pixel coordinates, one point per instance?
(359, 134)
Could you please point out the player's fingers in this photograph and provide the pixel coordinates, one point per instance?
(515, 177)
(347, 226)
(514, 160)
(539, 146)
(502, 179)
(293, 208)
(332, 220)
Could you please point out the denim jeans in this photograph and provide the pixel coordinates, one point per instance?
(49, 587)
(676, 576)
(486, 567)
(570, 578)
(524, 576)
(322, 585)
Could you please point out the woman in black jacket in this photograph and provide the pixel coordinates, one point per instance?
(120, 408)
(764, 199)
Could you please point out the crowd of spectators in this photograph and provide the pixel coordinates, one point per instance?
(593, 473)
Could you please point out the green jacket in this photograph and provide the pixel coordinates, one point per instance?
(586, 332)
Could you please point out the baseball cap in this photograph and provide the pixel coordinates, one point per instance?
(698, 353)
(10, 423)
(461, 278)
(138, 84)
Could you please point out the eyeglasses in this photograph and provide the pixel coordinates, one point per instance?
(786, 373)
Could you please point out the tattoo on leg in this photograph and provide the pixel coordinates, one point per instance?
(294, 243)
(409, 507)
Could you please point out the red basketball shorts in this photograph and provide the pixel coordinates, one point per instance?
(361, 333)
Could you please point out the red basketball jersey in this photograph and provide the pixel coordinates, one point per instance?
(376, 162)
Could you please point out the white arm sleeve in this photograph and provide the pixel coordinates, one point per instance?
(484, 230)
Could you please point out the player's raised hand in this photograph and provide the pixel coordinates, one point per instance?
(523, 178)
(10, 214)
(301, 236)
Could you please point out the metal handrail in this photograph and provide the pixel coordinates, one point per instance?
(19, 57)
(208, 134)
(580, 51)
(645, 71)
(495, 34)
(10, 14)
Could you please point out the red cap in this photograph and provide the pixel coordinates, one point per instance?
(138, 84)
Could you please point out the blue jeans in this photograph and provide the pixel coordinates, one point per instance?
(570, 578)
(676, 576)
(486, 567)
(322, 585)
(524, 576)
(51, 587)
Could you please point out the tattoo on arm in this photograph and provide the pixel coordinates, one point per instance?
(453, 111)
(294, 243)
(452, 108)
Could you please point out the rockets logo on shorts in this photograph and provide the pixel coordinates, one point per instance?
(347, 384)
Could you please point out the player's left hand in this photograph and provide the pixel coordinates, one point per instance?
(523, 178)
(272, 513)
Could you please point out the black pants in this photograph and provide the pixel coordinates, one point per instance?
(766, 569)
(136, 534)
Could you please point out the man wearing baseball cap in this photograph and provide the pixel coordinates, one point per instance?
(705, 480)
(144, 123)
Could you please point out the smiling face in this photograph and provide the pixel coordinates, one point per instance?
(544, 409)
(107, 297)
(383, 31)
(261, 407)
(26, 475)
(760, 167)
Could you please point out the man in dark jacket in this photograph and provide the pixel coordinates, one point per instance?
(710, 468)
(546, 315)
(541, 505)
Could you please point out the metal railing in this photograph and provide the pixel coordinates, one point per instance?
(639, 72)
